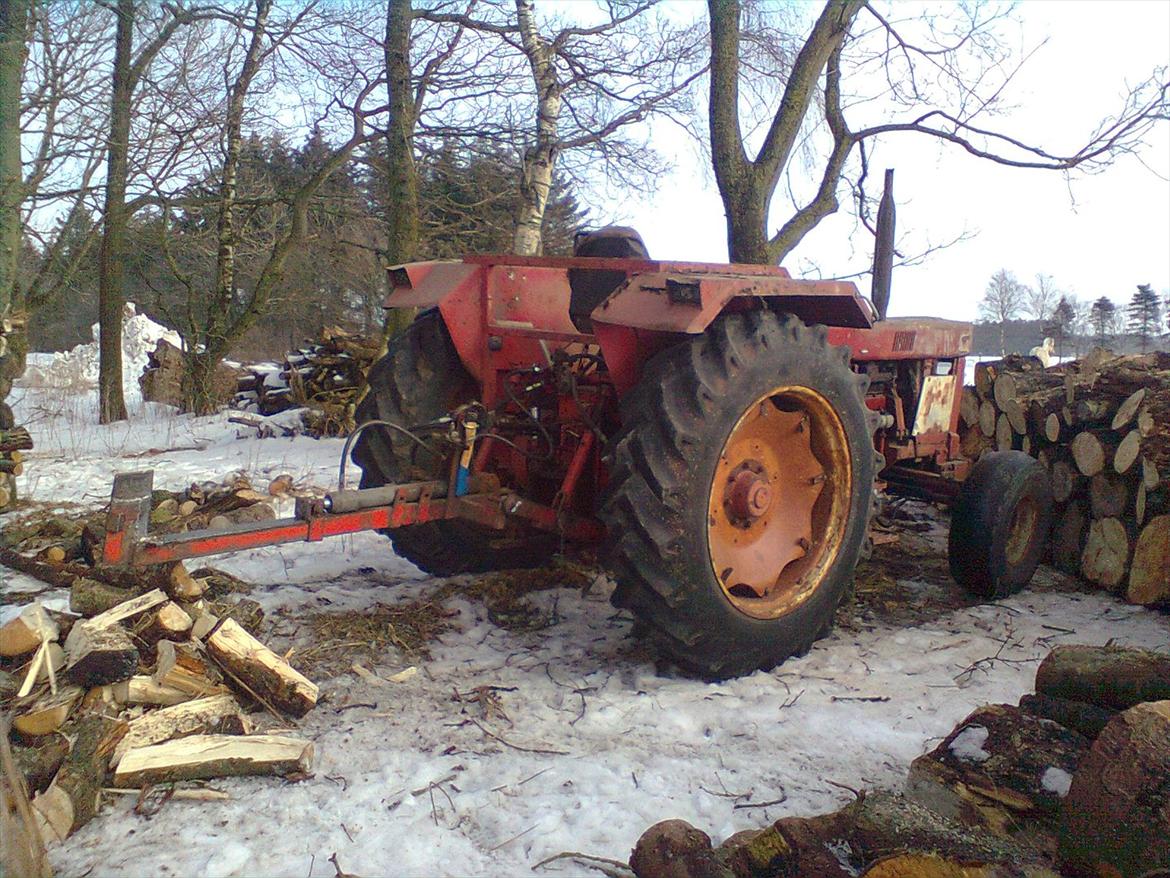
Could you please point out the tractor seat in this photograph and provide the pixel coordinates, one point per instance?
(589, 287)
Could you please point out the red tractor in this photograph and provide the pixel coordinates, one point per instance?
(715, 431)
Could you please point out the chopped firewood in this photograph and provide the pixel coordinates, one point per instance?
(71, 800)
(178, 583)
(1114, 819)
(168, 622)
(141, 689)
(181, 667)
(48, 660)
(262, 671)
(280, 486)
(1112, 677)
(90, 597)
(25, 633)
(790, 846)
(999, 767)
(47, 713)
(125, 610)
(1149, 572)
(96, 656)
(207, 756)
(217, 714)
(53, 555)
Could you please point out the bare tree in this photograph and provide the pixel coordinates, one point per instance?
(130, 67)
(1002, 301)
(1042, 297)
(590, 86)
(944, 75)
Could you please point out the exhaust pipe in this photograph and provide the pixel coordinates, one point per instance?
(883, 255)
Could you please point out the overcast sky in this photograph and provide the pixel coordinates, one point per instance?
(1101, 235)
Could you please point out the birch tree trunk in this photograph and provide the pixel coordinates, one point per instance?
(540, 158)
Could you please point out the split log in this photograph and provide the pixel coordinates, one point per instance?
(1109, 496)
(207, 756)
(71, 800)
(178, 583)
(999, 767)
(168, 622)
(1105, 559)
(180, 666)
(47, 713)
(217, 714)
(126, 610)
(88, 597)
(1112, 677)
(261, 670)
(96, 656)
(1115, 818)
(25, 633)
(141, 689)
(1149, 572)
(1087, 719)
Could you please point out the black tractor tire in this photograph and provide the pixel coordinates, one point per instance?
(674, 426)
(999, 524)
(421, 378)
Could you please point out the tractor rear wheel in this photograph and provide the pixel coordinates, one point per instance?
(740, 493)
(421, 378)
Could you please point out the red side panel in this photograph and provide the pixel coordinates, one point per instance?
(906, 338)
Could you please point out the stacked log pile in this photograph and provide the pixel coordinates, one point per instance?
(1073, 781)
(136, 688)
(1101, 427)
(14, 441)
(324, 378)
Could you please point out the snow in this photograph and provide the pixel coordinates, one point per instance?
(1056, 780)
(968, 744)
(77, 369)
(594, 742)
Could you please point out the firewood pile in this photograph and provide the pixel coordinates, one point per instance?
(324, 378)
(151, 678)
(13, 442)
(1073, 778)
(1101, 427)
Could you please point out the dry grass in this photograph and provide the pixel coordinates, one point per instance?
(339, 639)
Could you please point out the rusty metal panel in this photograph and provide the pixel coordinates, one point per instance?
(906, 338)
(935, 404)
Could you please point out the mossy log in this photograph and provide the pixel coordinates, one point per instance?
(1113, 677)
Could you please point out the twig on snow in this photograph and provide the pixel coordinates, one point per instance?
(612, 868)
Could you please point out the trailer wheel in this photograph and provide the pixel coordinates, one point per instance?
(1000, 524)
(740, 492)
(422, 378)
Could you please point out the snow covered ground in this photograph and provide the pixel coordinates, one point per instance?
(582, 742)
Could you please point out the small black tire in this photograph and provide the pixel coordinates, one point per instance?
(420, 379)
(1000, 524)
(674, 426)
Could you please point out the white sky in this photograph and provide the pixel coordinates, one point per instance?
(1102, 235)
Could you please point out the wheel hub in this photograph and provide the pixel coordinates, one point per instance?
(766, 528)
